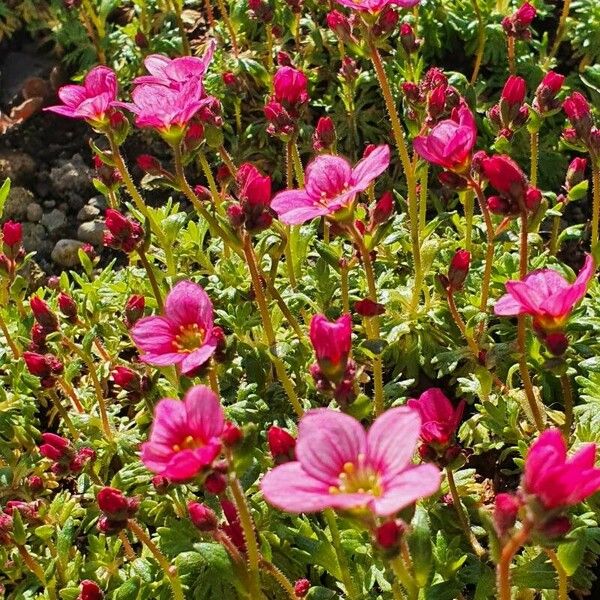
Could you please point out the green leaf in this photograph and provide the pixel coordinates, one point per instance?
(572, 551)
(579, 191)
(537, 574)
(4, 191)
(420, 545)
(18, 532)
(129, 590)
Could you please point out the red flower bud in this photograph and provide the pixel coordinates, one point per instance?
(42, 365)
(324, 135)
(301, 588)
(388, 534)
(459, 269)
(43, 315)
(556, 342)
(506, 510)
(203, 517)
(89, 590)
(556, 527)
(282, 445)
(215, 483)
(576, 172)
(383, 209)
(408, 39)
(514, 91)
(525, 14)
(340, 25)
(134, 309)
(229, 79)
(115, 505)
(232, 434)
(121, 232)
(67, 306)
(12, 233)
(149, 164)
(35, 484)
(126, 378)
(367, 308)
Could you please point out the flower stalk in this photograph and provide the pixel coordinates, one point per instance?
(508, 552)
(336, 542)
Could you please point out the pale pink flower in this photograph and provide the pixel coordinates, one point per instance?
(90, 101)
(161, 107)
(184, 335)
(545, 295)
(339, 465)
(558, 481)
(331, 185)
(450, 142)
(174, 72)
(439, 418)
(375, 6)
(185, 435)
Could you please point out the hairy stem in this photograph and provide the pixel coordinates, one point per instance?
(405, 578)
(64, 415)
(560, 573)
(508, 552)
(534, 139)
(9, 340)
(596, 199)
(151, 278)
(480, 41)
(347, 579)
(560, 30)
(567, 390)
(227, 20)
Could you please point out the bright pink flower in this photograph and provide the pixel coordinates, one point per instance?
(331, 185)
(161, 107)
(546, 296)
(12, 233)
(576, 107)
(525, 14)
(439, 418)
(332, 342)
(185, 435)
(556, 480)
(183, 336)
(339, 465)
(450, 142)
(375, 6)
(90, 101)
(290, 86)
(174, 73)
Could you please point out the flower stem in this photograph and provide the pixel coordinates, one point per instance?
(96, 383)
(567, 390)
(560, 30)
(213, 379)
(290, 232)
(270, 63)
(210, 16)
(185, 43)
(70, 392)
(554, 235)
(129, 552)
(508, 552)
(480, 41)
(297, 163)
(169, 571)
(139, 202)
(411, 183)
(596, 199)
(534, 139)
(212, 184)
(460, 324)
(32, 565)
(462, 517)
(261, 300)
(512, 61)
(373, 332)
(489, 251)
(405, 578)
(561, 574)
(469, 209)
(344, 288)
(249, 535)
(281, 579)
(230, 28)
(64, 415)
(347, 579)
(151, 278)
(9, 340)
(424, 181)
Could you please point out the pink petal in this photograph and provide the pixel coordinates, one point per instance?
(392, 439)
(528, 296)
(327, 439)
(187, 303)
(508, 306)
(156, 65)
(548, 452)
(406, 487)
(204, 414)
(101, 80)
(154, 335)
(64, 111)
(295, 207)
(422, 148)
(369, 168)
(198, 357)
(327, 175)
(72, 95)
(170, 425)
(187, 464)
(162, 360)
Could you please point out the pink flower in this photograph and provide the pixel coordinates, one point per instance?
(555, 480)
(546, 296)
(375, 6)
(439, 418)
(90, 101)
(184, 438)
(161, 107)
(174, 73)
(332, 343)
(290, 86)
(331, 185)
(450, 142)
(339, 465)
(184, 335)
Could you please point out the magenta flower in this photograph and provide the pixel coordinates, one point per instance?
(185, 435)
(450, 142)
(90, 101)
(184, 335)
(439, 418)
(339, 465)
(556, 480)
(161, 107)
(332, 342)
(331, 186)
(290, 86)
(546, 296)
(174, 73)
(375, 6)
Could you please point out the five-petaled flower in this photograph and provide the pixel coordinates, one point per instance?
(339, 465)
(184, 335)
(331, 187)
(185, 435)
(376, 6)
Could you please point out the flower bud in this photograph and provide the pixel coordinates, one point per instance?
(556, 342)
(301, 588)
(367, 308)
(575, 172)
(35, 484)
(121, 232)
(149, 164)
(229, 79)
(533, 197)
(388, 534)
(281, 444)
(512, 98)
(408, 39)
(556, 527)
(459, 269)
(545, 94)
(349, 70)
(202, 517)
(67, 306)
(6, 527)
(324, 135)
(232, 434)
(340, 25)
(506, 509)
(89, 590)
(12, 233)
(134, 309)
(383, 209)
(115, 505)
(578, 112)
(386, 23)
(43, 315)
(160, 483)
(215, 483)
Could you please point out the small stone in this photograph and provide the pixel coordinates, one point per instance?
(98, 202)
(34, 212)
(54, 221)
(16, 166)
(16, 204)
(34, 235)
(49, 203)
(65, 253)
(71, 177)
(88, 213)
(91, 232)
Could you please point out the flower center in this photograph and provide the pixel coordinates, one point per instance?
(326, 198)
(189, 443)
(189, 338)
(358, 479)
